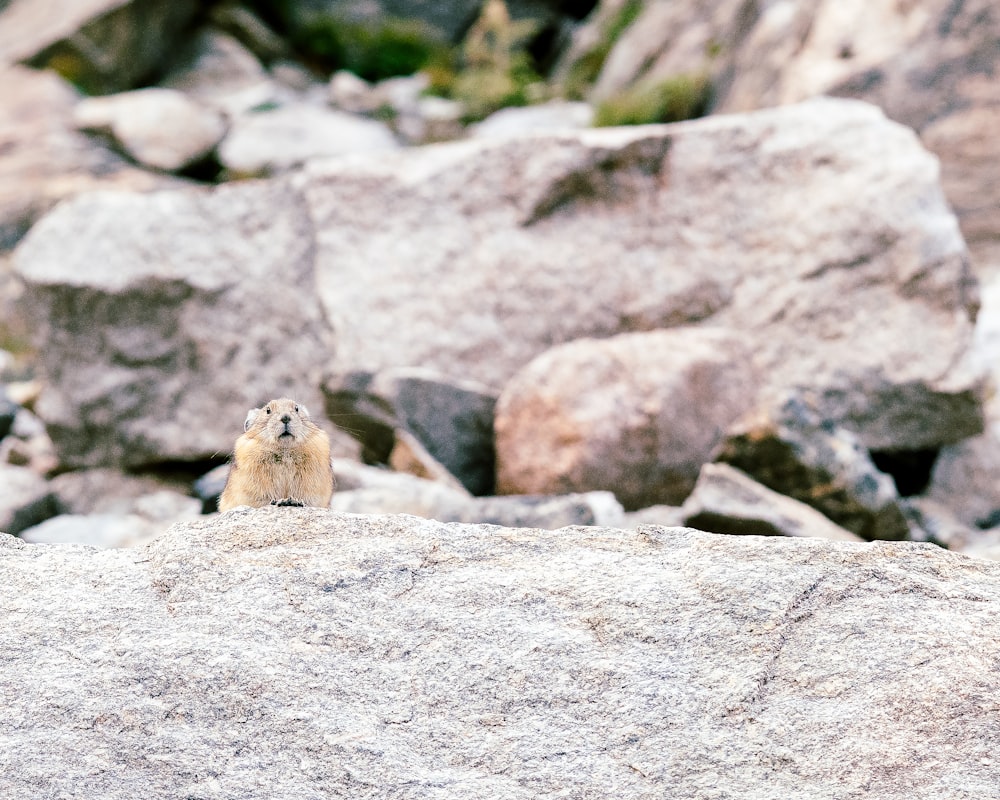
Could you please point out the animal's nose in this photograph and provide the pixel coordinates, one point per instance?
(286, 418)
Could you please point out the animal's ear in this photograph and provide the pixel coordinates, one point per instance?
(251, 416)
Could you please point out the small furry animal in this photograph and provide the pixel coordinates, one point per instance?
(282, 458)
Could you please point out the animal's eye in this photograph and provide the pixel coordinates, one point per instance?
(296, 409)
(267, 410)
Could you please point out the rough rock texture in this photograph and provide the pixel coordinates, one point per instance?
(452, 418)
(100, 45)
(931, 65)
(636, 414)
(271, 141)
(169, 316)
(794, 452)
(42, 158)
(726, 500)
(473, 258)
(26, 499)
(299, 653)
(159, 128)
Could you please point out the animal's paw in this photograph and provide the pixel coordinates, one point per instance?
(287, 501)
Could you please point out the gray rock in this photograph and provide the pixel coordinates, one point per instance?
(669, 516)
(44, 159)
(26, 499)
(931, 521)
(636, 414)
(274, 140)
(111, 491)
(497, 250)
(965, 478)
(352, 94)
(220, 72)
(104, 531)
(926, 64)
(793, 451)
(8, 411)
(159, 128)
(410, 456)
(726, 500)
(170, 316)
(398, 493)
(103, 46)
(300, 653)
(28, 444)
(452, 418)
(531, 120)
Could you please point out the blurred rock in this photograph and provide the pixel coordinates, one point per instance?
(102, 46)
(410, 456)
(966, 478)
(275, 140)
(668, 516)
(726, 500)
(931, 521)
(8, 410)
(170, 316)
(793, 451)
(217, 70)
(433, 500)
(928, 65)
(43, 159)
(159, 128)
(452, 418)
(636, 414)
(28, 444)
(104, 491)
(209, 486)
(544, 118)
(103, 531)
(26, 499)
(350, 93)
(247, 28)
(817, 231)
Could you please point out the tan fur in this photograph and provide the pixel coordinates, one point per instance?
(268, 467)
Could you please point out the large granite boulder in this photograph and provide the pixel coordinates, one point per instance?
(636, 414)
(164, 317)
(930, 65)
(302, 653)
(43, 159)
(818, 231)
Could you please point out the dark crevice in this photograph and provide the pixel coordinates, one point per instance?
(910, 469)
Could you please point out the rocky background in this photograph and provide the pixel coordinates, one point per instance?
(447, 229)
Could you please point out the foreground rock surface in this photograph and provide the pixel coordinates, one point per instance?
(302, 653)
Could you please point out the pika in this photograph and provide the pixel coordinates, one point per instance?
(282, 458)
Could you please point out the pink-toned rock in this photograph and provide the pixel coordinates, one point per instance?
(636, 414)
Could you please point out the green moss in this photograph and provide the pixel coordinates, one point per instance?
(396, 47)
(585, 69)
(677, 98)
